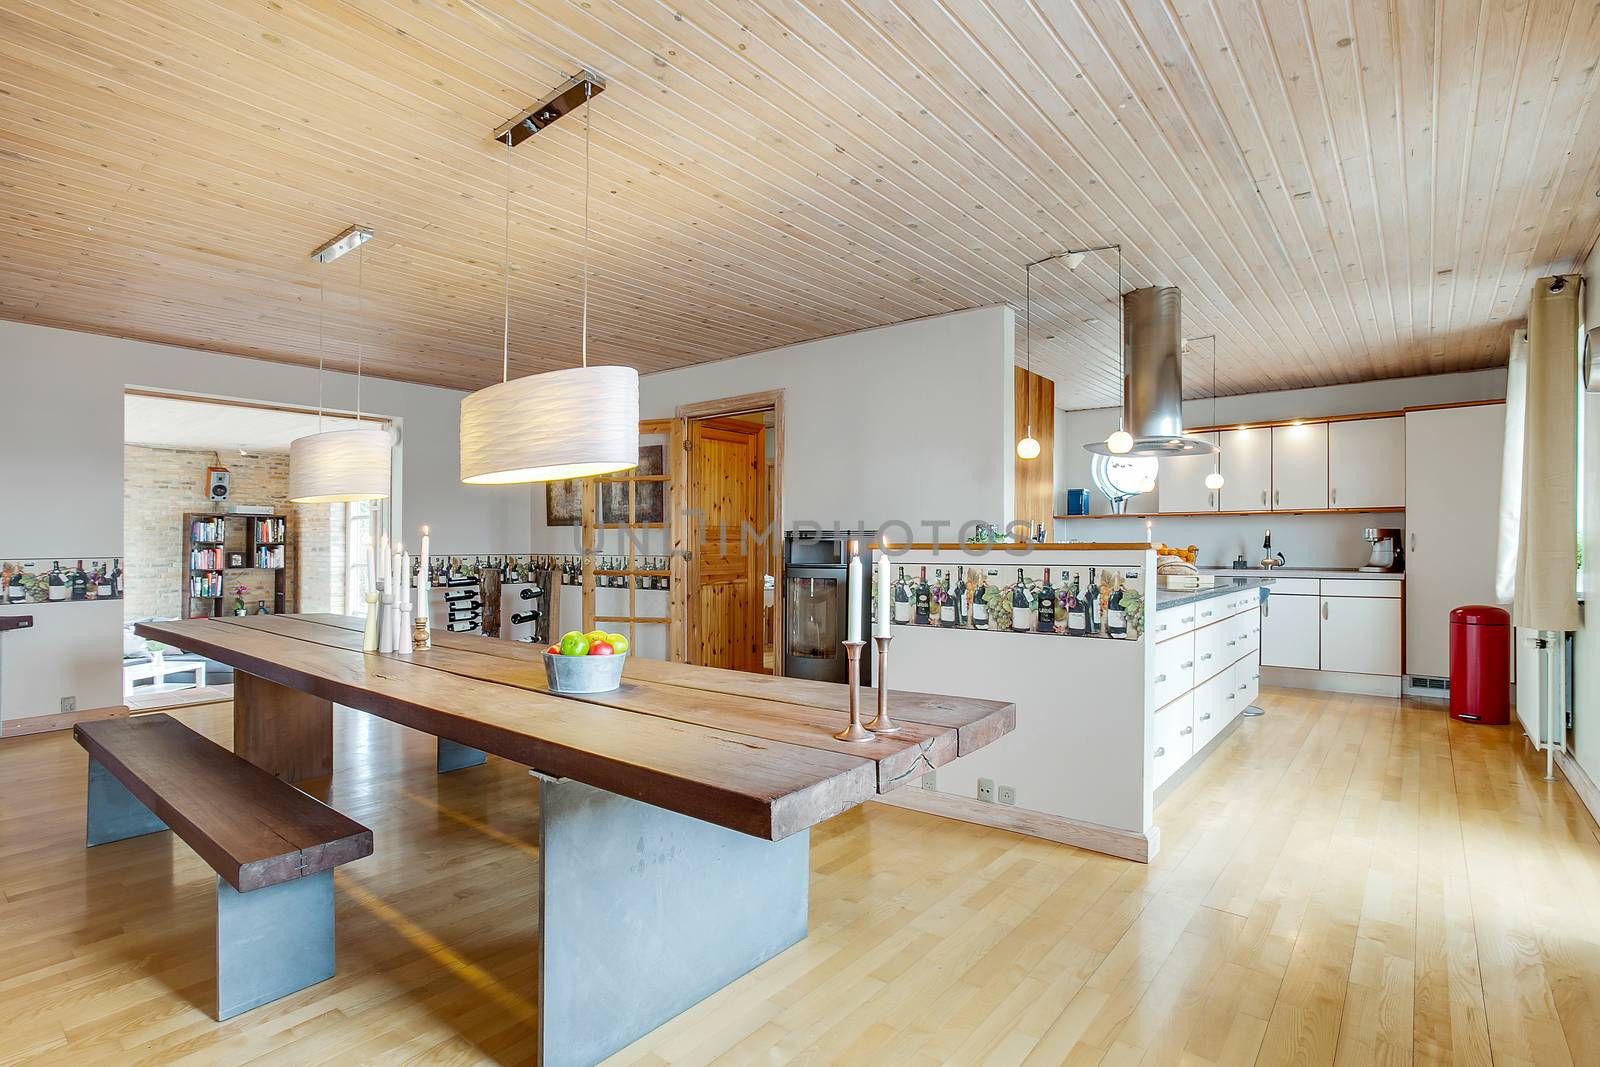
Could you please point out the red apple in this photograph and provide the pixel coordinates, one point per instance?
(554, 650)
(601, 648)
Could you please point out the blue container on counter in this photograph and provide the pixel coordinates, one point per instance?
(1077, 501)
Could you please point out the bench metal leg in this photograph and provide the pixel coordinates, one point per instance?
(645, 912)
(273, 941)
(115, 813)
(454, 757)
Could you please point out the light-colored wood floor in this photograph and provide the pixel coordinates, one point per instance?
(1349, 880)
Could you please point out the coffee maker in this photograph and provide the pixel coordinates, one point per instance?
(1386, 552)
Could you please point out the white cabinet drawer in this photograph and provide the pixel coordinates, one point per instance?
(1209, 611)
(1212, 708)
(1247, 624)
(1382, 587)
(1174, 668)
(1173, 734)
(1246, 683)
(1294, 587)
(1170, 622)
(1213, 649)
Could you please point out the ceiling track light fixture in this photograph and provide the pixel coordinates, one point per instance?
(337, 466)
(573, 423)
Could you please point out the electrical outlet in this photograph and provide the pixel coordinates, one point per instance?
(69, 704)
(1008, 795)
(986, 790)
(930, 780)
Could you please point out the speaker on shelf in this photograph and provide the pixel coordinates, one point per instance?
(217, 483)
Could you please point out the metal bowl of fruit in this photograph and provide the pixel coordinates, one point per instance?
(586, 663)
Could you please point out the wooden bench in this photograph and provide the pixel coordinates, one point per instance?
(273, 847)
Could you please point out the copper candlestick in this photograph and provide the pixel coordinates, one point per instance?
(420, 634)
(883, 724)
(855, 731)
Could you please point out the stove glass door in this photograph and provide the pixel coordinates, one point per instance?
(812, 612)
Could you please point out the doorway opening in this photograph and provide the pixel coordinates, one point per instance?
(728, 533)
(208, 532)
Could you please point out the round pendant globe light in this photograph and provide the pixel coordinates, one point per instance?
(339, 466)
(574, 423)
(1120, 442)
(1028, 447)
(1214, 480)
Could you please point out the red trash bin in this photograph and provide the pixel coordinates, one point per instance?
(1480, 664)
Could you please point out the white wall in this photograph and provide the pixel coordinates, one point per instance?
(1306, 540)
(61, 463)
(909, 422)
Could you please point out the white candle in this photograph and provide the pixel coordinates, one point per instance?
(854, 576)
(422, 570)
(384, 561)
(405, 576)
(885, 593)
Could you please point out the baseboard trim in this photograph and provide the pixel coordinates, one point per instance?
(1123, 844)
(1372, 685)
(1582, 784)
(44, 724)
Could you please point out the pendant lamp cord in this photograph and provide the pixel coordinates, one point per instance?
(361, 316)
(505, 321)
(322, 355)
(1027, 344)
(588, 107)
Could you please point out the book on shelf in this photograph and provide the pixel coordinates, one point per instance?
(270, 531)
(207, 559)
(269, 557)
(208, 531)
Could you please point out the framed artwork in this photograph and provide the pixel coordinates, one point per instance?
(649, 498)
(563, 503)
(235, 561)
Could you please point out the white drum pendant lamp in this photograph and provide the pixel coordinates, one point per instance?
(573, 423)
(338, 466)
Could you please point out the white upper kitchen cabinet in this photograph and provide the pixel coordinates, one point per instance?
(1453, 459)
(1366, 463)
(1181, 483)
(1360, 634)
(1300, 467)
(1247, 469)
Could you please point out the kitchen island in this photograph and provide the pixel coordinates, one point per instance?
(1112, 704)
(674, 811)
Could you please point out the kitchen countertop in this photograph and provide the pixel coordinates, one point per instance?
(1307, 572)
(1171, 598)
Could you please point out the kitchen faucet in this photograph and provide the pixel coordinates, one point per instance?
(1271, 560)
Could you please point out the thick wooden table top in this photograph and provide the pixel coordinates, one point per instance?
(750, 752)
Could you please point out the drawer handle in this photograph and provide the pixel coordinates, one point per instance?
(1276, 496)
(1206, 656)
(1243, 686)
(1161, 629)
(1324, 608)
(1161, 678)
(1263, 496)
(1205, 614)
(1255, 677)
(1232, 643)
(1186, 730)
(1333, 496)
(1230, 696)
(1185, 666)
(1206, 716)
(1161, 752)
(1187, 618)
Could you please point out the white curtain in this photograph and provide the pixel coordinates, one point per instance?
(1547, 542)
(1505, 574)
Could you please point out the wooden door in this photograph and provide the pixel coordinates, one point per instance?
(1247, 469)
(1452, 523)
(1181, 485)
(1300, 467)
(1367, 463)
(727, 496)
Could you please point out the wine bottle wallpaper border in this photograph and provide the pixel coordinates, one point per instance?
(1085, 601)
(32, 583)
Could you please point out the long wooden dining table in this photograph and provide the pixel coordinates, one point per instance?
(674, 811)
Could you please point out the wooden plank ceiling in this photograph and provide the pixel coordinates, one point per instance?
(1342, 190)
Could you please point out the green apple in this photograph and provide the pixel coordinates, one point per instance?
(619, 642)
(574, 644)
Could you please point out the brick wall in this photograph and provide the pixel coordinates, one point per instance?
(161, 484)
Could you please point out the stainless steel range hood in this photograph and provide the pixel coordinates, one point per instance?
(1152, 392)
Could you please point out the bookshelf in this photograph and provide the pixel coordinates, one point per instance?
(207, 540)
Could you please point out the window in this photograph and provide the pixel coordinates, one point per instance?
(359, 523)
